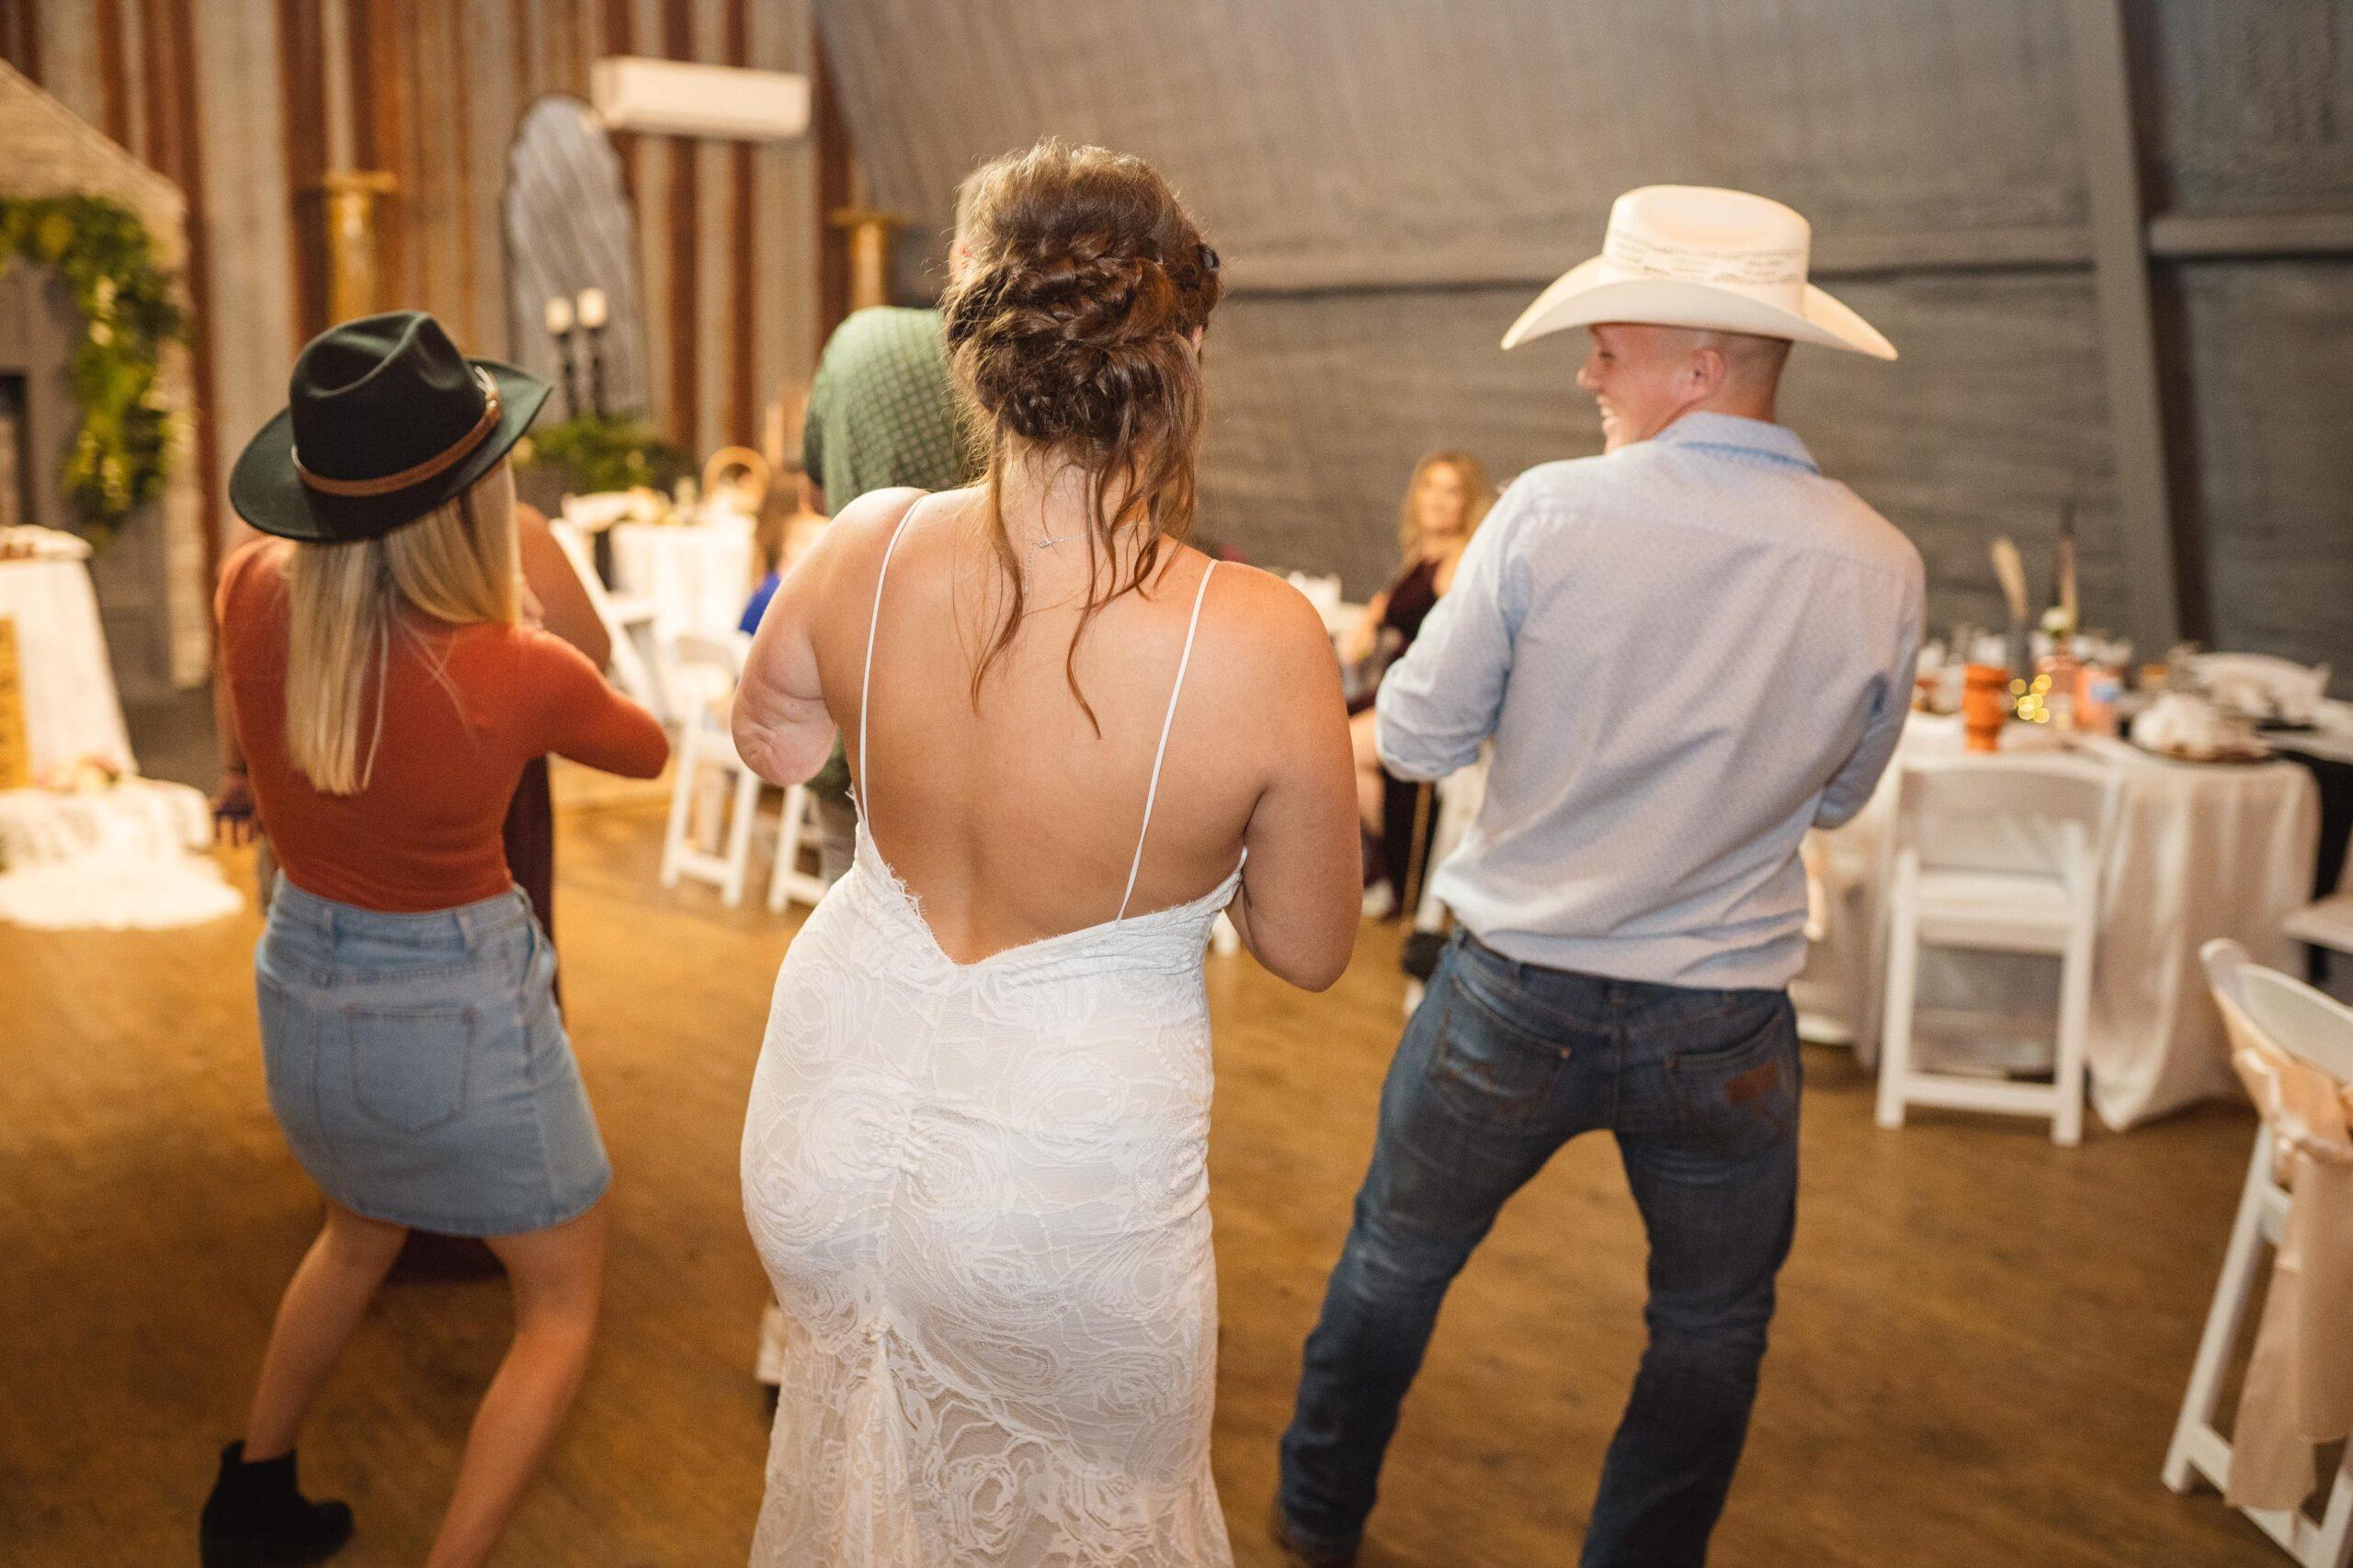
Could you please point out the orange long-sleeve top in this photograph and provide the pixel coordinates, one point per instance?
(464, 708)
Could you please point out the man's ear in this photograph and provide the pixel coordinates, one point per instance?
(1710, 370)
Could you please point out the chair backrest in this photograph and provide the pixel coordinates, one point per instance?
(628, 666)
(2226, 965)
(704, 671)
(2076, 796)
(2313, 1027)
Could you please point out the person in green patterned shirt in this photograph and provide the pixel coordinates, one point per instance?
(883, 411)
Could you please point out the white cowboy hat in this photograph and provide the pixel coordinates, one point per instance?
(1694, 256)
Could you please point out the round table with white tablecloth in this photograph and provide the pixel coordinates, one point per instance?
(71, 710)
(2200, 851)
(698, 576)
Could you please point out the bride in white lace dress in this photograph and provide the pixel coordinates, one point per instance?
(973, 1161)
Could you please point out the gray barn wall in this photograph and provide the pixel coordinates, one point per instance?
(1390, 180)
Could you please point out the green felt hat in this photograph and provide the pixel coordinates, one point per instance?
(385, 420)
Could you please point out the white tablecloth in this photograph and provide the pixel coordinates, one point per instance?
(120, 857)
(2199, 852)
(698, 576)
(71, 708)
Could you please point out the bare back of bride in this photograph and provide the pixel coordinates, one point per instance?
(974, 1156)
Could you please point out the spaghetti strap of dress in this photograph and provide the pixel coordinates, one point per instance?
(874, 625)
(1151, 795)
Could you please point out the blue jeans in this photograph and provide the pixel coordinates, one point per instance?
(1502, 1065)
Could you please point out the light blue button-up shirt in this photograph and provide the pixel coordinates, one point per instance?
(1688, 653)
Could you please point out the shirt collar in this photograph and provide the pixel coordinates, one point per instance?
(1729, 432)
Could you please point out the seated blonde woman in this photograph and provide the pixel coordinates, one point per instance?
(1444, 503)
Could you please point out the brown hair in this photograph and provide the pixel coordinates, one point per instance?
(1478, 495)
(1071, 333)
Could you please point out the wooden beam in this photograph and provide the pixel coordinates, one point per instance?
(460, 223)
(23, 43)
(180, 21)
(834, 184)
(114, 88)
(2201, 236)
(2028, 246)
(379, 37)
(741, 420)
(2034, 247)
(302, 69)
(615, 17)
(2128, 333)
(684, 410)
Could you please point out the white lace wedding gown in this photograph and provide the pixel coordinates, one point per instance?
(980, 1191)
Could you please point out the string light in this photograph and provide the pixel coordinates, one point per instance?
(2030, 701)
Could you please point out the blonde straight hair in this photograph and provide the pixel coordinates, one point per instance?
(457, 565)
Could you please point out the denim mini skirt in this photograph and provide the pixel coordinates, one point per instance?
(419, 1068)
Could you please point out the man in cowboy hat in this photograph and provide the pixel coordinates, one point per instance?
(1687, 653)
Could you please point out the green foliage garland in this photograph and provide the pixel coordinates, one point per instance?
(129, 438)
(606, 454)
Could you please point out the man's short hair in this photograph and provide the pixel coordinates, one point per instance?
(1753, 360)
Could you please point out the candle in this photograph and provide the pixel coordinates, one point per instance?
(592, 309)
(559, 315)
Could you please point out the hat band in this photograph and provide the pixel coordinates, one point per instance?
(416, 473)
(1761, 268)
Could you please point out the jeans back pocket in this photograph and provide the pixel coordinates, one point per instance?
(409, 1066)
(1488, 1069)
(1739, 1097)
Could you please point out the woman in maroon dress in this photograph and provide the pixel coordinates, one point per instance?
(1445, 501)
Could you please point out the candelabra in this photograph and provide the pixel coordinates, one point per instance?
(593, 316)
(560, 329)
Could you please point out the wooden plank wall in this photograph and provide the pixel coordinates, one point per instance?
(1390, 183)
(244, 102)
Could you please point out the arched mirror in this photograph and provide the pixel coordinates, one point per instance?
(569, 231)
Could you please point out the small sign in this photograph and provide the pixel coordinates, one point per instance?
(16, 747)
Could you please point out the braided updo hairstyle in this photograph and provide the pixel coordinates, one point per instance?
(1069, 328)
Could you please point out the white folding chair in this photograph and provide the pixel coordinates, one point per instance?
(2051, 908)
(2328, 923)
(1224, 941)
(1460, 796)
(706, 672)
(620, 614)
(2313, 1029)
(796, 831)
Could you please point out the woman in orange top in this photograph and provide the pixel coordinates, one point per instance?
(386, 701)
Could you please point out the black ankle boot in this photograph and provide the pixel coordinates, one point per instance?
(257, 1517)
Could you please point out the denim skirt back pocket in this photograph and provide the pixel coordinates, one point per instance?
(409, 1066)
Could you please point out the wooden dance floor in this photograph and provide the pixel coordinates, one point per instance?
(1981, 1344)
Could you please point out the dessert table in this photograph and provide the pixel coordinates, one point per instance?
(2200, 851)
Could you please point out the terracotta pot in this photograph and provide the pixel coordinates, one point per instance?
(1984, 706)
